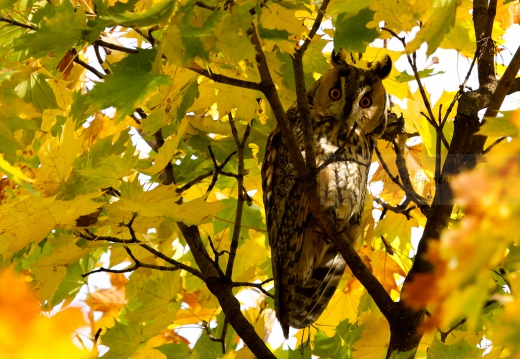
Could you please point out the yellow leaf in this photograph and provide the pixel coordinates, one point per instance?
(437, 20)
(232, 97)
(16, 175)
(57, 154)
(343, 305)
(40, 216)
(461, 38)
(24, 333)
(167, 150)
(374, 338)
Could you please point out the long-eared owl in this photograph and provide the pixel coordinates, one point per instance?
(348, 114)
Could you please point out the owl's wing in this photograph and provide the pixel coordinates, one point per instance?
(306, 269)
(279, 182)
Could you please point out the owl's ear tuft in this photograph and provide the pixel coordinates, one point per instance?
(338, 58)
(383, 67)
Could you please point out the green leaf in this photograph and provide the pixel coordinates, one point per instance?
(175, 351)
(251, 218)
(273, 34)
(326, 347)
(190, 93)
(500, 126)
(404, 77)
(37, 91)
(6, 3)
(436, 23)
(348, 7)
(58, 34)
(459, 350)
(127, 88)
(352, 33)
(157, 296)
(124, 14)
(122, 340)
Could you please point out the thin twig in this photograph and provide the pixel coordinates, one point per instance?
(438, 147)
(88, 67)
(491, 146)
(240, 144)
(176, 265)
(414, 197)
(315, 26)
(205, 6)
(461, 87)
(195, 181)
(255, 285)
(400, 208)
(444, 335)
(100, 59)
(216, 253)
(18, 23)
(222, 339)
(225, 79)
(413, 64)
(218, 168)
(111, 46)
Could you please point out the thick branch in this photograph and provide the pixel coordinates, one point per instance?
(221, 288)
(515, 86)
(503, 86)
(483, 17)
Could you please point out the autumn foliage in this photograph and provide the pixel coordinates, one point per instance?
(131, 139)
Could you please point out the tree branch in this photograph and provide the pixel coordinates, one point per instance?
(111, 46)
(340, 240)
(413, 64)
(221, 288)
(403, 171)
(315, 28)
(18, 23)
(400, 208)
(301, 96)
(503, 86)
(176, 265)
(491, 146)
(483, 17)
(241, 198)
(88, 67)
(255, 285)
(225, 79)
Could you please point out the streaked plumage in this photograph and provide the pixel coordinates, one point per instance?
(348, 111)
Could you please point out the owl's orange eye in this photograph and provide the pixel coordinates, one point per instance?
(335, 94)
(365, 102)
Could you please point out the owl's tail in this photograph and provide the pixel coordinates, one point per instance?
(311, 298)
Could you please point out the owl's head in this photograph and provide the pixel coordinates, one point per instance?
(353, 95)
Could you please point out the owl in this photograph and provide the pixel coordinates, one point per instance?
(348, 114)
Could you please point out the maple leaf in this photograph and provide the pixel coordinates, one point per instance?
(20, 319)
